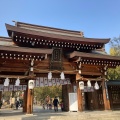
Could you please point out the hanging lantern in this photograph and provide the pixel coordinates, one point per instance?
(89, 83)
(17, 82)
(96, 86)
(62, 76)
(81, 85)
(49, 75)
(32, 62)
(31, 84)
(6, 83)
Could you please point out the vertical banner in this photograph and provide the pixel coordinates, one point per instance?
(61, 82)
(49, 82)
(24, 87)
(57, 81)
(1, 87)
(65, 82)
(20, 87)
(15, 88)
(45, 81)
(37, 82)
(11, 87)
(6, 88)
(68, 80)
(41, 82)
(53, 81)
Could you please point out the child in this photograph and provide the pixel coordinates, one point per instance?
(61, 104)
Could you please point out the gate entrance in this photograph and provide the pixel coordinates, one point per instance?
(53, 55)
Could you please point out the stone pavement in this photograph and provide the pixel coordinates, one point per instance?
(40, 114)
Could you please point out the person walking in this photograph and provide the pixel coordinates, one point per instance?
(55, 103)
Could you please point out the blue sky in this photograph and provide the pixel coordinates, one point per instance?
(96, 18)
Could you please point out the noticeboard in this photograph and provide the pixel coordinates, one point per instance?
(73, 102)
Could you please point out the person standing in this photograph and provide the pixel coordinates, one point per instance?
(17, 104)
(0, 104)
(61, 105)
(47, 99)
(55, 103)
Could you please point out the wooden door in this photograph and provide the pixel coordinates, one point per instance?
(94, 100)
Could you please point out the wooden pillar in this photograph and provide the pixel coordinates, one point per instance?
(79, 96)
(25, 102)
(0, 95)
(65, 97)
(105, 96)
(29, 101)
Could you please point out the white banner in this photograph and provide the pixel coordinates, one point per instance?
(24, 87)
(6, 88)
(50, 82)
(15, 88)
(37, 82)
(41, 82)
(53, 81)
(1, 87)
(11, 87)
(45, 82)
(57, 81)
(20, 87)
(68, 80)
(62, 82)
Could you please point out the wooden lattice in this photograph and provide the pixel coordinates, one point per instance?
(114, 96)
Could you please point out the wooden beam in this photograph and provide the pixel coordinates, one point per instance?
(26, 50)
(14, 76)
(93, 55)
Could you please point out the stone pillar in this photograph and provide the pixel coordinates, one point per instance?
(105, 96)
(79, 96)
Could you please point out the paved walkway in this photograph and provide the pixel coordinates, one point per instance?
(40, 114)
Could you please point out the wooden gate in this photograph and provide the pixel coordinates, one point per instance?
(114, 96)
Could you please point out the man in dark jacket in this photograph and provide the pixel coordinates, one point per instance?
(55, 103)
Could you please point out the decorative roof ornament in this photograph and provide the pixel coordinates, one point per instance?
(32, 62)
(79, 71)
(45, 56)
(17, 82)
(50, 75)
(79, 58)
(89, 83)
(62, 76)
(6, 82)
(96, 86)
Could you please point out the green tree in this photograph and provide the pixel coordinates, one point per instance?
(42, 92)
(114, 74)
(115, 46)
